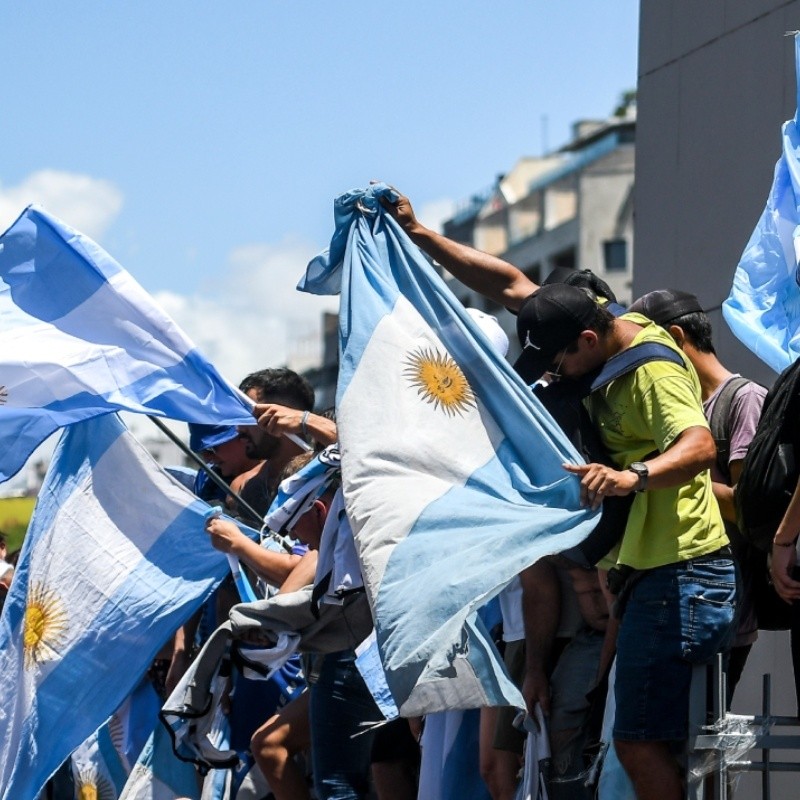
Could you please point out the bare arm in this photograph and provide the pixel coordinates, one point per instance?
(303, 573)
(541, 609)
(691, 453)
(784, 556)
(490, 276)
(277, 419)
(724, 493)
(182, 650)
(273, 567)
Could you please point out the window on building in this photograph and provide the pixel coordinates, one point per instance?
(615, 255)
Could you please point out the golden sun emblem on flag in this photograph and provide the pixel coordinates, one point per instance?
(439, 380)
(44, 627)
(91, 786)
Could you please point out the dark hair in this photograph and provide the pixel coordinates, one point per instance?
(281, 386)
(697, 328)
(603, 320)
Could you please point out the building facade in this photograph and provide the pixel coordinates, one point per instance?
(572, 208)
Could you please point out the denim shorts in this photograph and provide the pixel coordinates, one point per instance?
(677, 616)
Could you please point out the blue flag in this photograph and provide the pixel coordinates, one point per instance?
(452, 471)
(79, 337)
(159, 774)
(115, 560)
(96, 767)
(763, 308)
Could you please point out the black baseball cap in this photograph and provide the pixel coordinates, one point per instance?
(663, 306)
(549, 320)
(584, 278)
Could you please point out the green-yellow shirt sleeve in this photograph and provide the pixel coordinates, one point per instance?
(668, 400)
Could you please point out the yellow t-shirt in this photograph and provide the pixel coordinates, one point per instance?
(643, 413)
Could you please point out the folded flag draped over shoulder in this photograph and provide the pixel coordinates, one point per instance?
(79, 337)
(115, 560)
(452, 470)
(763, 308)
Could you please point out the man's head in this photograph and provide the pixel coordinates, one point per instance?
(560, 328)
(680, 313)
(283, 387)
(222, 446)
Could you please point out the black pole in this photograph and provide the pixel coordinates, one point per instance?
(202, 464)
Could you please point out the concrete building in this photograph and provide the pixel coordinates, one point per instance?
(716, 81)
(572, 208)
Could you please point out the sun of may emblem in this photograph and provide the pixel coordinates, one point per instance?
(91, 786)
(44, 627)
(439, 380)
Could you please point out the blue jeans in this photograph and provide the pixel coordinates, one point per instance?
(676, 616)
(341, 712)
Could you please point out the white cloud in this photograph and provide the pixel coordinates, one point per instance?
(251, 316)
(88, 204)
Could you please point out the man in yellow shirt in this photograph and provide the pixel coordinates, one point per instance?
(680, 599)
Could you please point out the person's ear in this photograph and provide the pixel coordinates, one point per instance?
(590, 337)
(676, 332)
(321, 511)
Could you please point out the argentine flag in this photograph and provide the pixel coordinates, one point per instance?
(763, 308)
(452, 471)
(115, 560)
(79, 337)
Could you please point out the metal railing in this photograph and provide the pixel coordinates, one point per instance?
(720, 743)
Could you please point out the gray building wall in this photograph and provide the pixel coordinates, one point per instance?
(716, 81)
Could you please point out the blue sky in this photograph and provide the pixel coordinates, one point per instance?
(202, 143)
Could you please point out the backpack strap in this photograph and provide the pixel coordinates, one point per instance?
(630, 359)
(720, 422)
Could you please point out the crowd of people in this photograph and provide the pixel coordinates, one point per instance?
(673, 584)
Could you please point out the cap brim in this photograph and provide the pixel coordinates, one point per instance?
(203, 443)
(532, 364)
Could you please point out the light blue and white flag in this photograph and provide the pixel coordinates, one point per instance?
(450, 765)
(96, 767)
(763, 308)
(115, 560)
(159, 774)
(452, 470)
(79, 337)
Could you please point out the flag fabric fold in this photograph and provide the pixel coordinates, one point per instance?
(763, 308)
(79, 337)
(452, 470)
(115, 560)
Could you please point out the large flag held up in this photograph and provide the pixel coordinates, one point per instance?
(452, 470)
(763, 308)
(115, 560)
(80, 337)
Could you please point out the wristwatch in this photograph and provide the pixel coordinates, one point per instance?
(642, 472)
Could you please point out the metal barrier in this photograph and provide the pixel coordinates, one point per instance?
(719, 741)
